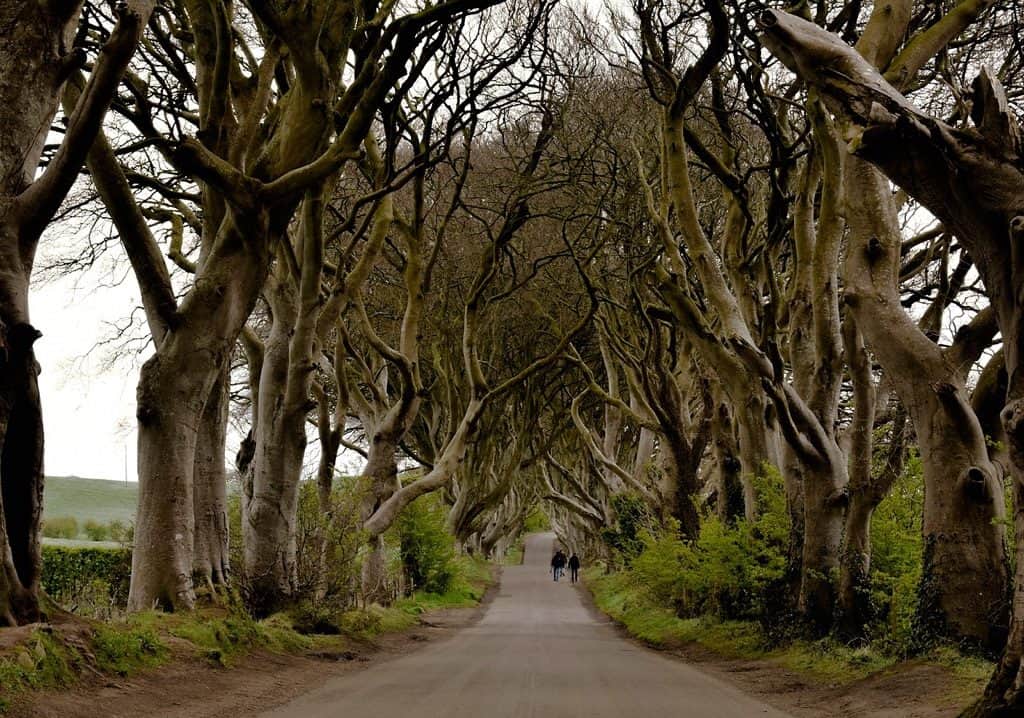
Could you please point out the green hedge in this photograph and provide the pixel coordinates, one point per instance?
(69, 573)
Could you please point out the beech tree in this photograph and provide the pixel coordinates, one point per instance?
(632, 270)
(880, 115)
(498, 482)
(39, 55)
(959, 454)
(269, 133)
(724, 335)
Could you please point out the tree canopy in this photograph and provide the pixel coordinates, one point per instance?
(627, 266)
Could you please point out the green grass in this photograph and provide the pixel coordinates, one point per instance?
(472, 579)
(41, 662)
(223, 638)
(48, 658)
(125, 649)
(824, 660)
(97, 499)
(514, 555)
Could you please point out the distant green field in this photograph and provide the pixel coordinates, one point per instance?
(97, 499)
(79, 543)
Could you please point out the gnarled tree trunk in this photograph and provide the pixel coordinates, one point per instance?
(381, 481)
(269, 509)
(978, 202)
(211, 564)
(174, 387)
(37, 57)
(963, 584)
(21, 471)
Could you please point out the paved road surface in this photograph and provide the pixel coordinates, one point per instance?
(536, 653)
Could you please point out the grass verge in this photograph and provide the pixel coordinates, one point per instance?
(62, 654)
(514, 555)
(824, 661)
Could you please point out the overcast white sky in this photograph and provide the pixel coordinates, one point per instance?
(88, 408)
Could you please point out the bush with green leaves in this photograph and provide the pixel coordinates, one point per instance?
(739, 571)
(426, 548)
(729, 570)
(536, 521)
(327, 545)
(633, 519)
(897, 547)
(61, 527)
(121, 532)
(95, 531)
(329, 542)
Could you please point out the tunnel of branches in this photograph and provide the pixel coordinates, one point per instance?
(640, 267)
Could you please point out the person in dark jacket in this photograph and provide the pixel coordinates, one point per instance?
(574, 567)
(558, 564)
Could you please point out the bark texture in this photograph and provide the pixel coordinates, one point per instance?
(972, 180)
(211, 564)
(254, 176)
(37, 57)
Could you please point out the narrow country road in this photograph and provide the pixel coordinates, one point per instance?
(536, 653)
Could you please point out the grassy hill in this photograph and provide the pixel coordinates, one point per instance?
(101, 500)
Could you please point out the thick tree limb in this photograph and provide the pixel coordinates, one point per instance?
(38, 203)
(972, 184)
(158, 299)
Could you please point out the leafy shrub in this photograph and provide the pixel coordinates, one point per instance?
(62, 527)
(121, 532)
(327, 543)
(89, 581)
(897, 549)
(632, 520)
(95, 531)
(427, 550)
(740, 572)
(729, 571)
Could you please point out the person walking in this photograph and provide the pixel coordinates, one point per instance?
(574, 567)
(558, 564)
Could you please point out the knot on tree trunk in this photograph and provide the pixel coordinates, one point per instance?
(1012, 418)
(874, 250)
(974, 482)
(849, 297)
(840, 498)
